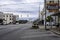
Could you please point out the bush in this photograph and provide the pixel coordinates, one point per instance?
(1, 20)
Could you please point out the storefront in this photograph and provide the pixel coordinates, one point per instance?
(52, 7)
(57, 14)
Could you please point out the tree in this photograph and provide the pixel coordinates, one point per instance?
(1, 20)
(49, 19)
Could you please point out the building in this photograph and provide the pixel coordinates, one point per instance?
(1, 18)
(8, 18)
(15, 18)
(1, 15)
(52, 6)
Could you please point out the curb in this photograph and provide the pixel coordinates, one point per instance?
(58, 33)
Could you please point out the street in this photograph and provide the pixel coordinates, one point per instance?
(24, 32)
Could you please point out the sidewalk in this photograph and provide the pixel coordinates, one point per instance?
(55, 31)
(41, 26)
(36, 34)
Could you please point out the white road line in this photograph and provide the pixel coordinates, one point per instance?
(32, 36)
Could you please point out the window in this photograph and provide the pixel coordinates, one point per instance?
(10, 15)
(10, 18)
(51, 1)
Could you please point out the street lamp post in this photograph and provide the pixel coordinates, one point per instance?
(45, 13)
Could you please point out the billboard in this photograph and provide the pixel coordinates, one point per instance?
(52, 7)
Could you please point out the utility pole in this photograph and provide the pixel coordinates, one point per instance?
(58, 11)
(39, 11)
(45, 13)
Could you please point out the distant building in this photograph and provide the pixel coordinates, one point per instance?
(1, 15)
(15, 18)
(1, 18)
(8, 18)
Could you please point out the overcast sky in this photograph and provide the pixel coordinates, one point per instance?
(23, 7)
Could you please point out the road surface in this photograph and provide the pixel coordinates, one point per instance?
(24, 32)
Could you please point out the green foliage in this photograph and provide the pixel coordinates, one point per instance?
(23, 21)
(49, 19)
(1, 20)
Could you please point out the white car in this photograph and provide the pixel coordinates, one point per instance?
(49, 24)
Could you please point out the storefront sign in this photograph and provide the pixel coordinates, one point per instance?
(49, 7)
(52, 7)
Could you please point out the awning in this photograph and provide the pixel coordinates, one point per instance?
(56, 14)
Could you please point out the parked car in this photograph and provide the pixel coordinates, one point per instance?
(35, 25)
(22, 21)
(50, 24)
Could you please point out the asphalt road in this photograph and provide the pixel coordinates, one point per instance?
(23, 32)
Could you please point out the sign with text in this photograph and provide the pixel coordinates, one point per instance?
(52, 7)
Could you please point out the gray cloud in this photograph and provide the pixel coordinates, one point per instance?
(21, 6)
